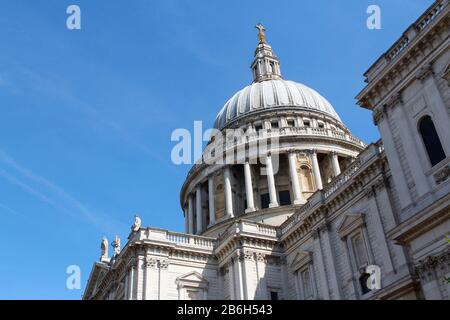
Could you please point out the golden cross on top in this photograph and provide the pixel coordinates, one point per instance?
(261, 34)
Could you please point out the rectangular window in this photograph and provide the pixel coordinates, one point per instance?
(290, 123)
(274, 125)
(285, 198)
(273, 295)
(258, 127)
(307, 283)
(360, 251)
(265, 200)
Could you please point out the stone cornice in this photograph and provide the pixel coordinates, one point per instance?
(420, 223)
(391, 68)
(281, 111)
(425, 268)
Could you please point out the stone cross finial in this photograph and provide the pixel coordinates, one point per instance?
(261, 34)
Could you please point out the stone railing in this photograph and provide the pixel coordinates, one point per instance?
(420, 25)
(430, 15)
(336, 183)
(240, 142)
(399, 46)
(409, 36)
(315, 199)
(249, 227)
(182, 239)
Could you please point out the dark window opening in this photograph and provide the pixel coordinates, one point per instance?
(265, 201)
(363, 282)
(194, 217)
(274, 125)
(258, 127)
(273, 295)
(290, 123)
(431, 140)
(207, 216)
(285, 198)
(306, 123)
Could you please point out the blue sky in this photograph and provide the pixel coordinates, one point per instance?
(86, 115)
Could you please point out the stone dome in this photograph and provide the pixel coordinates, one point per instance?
(273, 94)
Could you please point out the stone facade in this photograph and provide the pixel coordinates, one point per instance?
(328, 209)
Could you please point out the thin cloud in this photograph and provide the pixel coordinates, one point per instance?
(52, 193)
(10, 210)
(53, 85)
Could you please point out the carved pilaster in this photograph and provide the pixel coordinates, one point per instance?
(151, 263)
(133, 264)
(442, 175)
(425, 72)
(163, 264)
(315, 233)
(393, 100)
(261, 257)
(379, 114)
(369, 191)
(426, 269)
(248, 255)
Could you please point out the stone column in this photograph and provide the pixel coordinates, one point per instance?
(198, 197)
(228, 192)
(335, 164)
(131, 283)
(271, 182)
(316, 170)
(212, 210)
(186, 220)
(191, 213)
(298, 198)
(249, 187)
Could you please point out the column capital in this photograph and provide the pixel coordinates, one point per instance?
(150, 262)
(424, 72)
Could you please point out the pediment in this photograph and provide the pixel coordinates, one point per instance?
(192, 279)
(98, 272)
(349, 223)
(301, 259)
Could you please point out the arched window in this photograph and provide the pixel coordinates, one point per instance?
(431, 140)
(306, 178)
